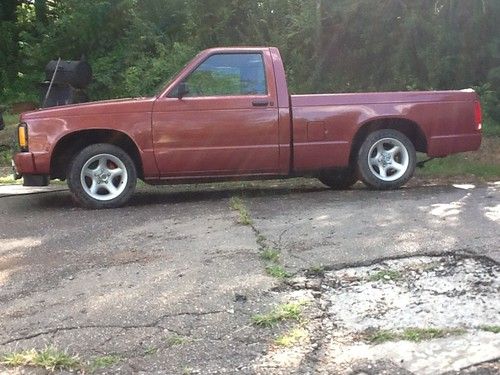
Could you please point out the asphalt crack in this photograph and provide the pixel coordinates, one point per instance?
(156, 324)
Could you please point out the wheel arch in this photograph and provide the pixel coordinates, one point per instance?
(408, 127)
(70, 144)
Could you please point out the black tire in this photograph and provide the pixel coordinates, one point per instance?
(104, 160)
(398, 166)
(341, 179)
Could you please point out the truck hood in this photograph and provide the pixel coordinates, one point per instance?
(130, 105)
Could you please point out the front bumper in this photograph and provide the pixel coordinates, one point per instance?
(23, 166)
(23, 163)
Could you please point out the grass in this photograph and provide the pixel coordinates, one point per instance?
(261, 240)
(277, 271)
(7, 138)
(318, 271)
(238, 205)
(270, 255)
(176, 340)
(385, 275)
(5, 156)
(382, 336)
(457, 165)
(292, 337)
(10, 122)
(104, 362)
(150, 350)
(49, 359)
(413, 334)
(483, 163)
(9, 180)
(284, 312)
(491, 328)
(491, 128)
(52, 359)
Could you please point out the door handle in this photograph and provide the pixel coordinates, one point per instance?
(260, 103)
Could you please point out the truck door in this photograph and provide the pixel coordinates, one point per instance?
(226, 123)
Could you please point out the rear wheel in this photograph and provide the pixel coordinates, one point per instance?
(102, 176)
(386, 159)
(340, 179)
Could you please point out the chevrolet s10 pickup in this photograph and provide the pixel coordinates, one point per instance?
(228, 115)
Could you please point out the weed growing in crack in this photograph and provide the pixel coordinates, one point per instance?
(385, 275)
(104, 362)
(261, 240)
(49, 359)
(316, 271)
(270, 255)
(150, 350)
(277, 271)
(292, 337)
(288, 311)
(238, 205)
(421, 334)
(413, 334)
(176, 340)
(382, 336)
(492, 328)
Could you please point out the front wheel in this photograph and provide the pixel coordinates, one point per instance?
(386, 159)
(102, 176)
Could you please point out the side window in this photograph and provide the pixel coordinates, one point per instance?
(228, 74)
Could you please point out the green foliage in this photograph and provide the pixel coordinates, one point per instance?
(104, 362)
(491, 128)
(491, 328)
(460, 165)
(270, 255)
(413, 334)
(328, 46)
(385, 275)
(176, 340)
(292, 337)
(284, 312)
(237, 204)
(277, 271)
(50, 359)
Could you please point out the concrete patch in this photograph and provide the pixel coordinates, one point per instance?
(382, 313)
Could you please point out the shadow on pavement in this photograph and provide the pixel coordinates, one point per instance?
(151, 195)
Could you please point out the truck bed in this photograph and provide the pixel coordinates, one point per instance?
(325, 126)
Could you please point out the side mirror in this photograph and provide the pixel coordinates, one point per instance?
(182, 90)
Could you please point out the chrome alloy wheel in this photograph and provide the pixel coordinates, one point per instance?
(104, 177)
(388, 159)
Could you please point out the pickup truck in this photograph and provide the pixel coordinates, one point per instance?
(228, 115)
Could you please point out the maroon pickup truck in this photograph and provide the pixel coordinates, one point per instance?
(228, 115)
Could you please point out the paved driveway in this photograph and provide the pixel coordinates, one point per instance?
(169, 284)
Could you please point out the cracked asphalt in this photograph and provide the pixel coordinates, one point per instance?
(169, 283)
